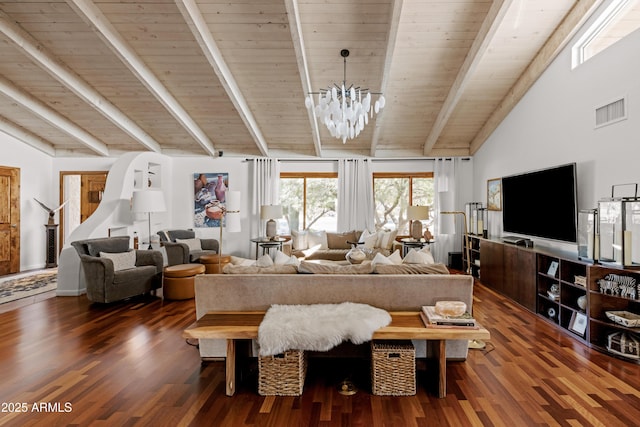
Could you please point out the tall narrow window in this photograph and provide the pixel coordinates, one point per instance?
(394, 192)
(309, 200)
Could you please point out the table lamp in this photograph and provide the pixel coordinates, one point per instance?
(416, 214)
(148, 201)
(270, 213)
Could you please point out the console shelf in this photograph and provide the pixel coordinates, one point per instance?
(576, 306)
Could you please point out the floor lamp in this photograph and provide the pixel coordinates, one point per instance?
(465, 237)
(148, 201)
(231, 211)
(479, 344)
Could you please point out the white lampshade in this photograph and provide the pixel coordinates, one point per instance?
(148, 201)
(417, 213)
(270, 211)
(233, 211)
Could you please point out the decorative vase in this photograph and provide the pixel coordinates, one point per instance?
(582, 302)
(220, 189)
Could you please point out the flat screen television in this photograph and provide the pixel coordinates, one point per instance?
(541, 203)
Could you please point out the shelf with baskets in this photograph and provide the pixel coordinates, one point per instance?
(562, 296)
(614, 315)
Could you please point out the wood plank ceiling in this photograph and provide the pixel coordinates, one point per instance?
(195, 77)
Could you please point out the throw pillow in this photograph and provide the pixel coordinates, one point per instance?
(264, 261)
(415, 257)
(386, 239)
(380, 259)
(368, 239)
(193, 244)
(165, 257)
(299, 239)
(283, 259)
(315, 238)
(395, 257)
(121, 260)
(339, 240)
(428, 255)
(236, 260)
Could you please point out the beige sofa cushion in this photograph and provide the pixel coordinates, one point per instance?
(339, 240)
(317, 268)
(411, 269)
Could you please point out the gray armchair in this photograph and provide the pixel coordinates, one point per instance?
(181, 253)
(105, 282)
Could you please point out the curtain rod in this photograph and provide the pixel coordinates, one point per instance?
(398, 159)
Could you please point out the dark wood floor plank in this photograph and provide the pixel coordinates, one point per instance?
(127, 364)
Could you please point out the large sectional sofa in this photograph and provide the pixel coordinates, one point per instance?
(392, 292)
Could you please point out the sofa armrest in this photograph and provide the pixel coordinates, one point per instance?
(97, 271)
(210, 244)
(177, 253)
(149, 257)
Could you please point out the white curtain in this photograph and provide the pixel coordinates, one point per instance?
(266, 190)
(355, 195)
(448, 227)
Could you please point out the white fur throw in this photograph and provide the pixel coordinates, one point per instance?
(318, 327)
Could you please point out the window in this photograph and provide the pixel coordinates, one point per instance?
(617, 21)
(309, 200)
(394, 192)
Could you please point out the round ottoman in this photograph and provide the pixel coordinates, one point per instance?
(210, 262)
(179, 280)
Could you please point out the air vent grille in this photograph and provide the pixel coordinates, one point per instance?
(611, 113)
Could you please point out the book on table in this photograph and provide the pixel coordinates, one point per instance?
(435, 319)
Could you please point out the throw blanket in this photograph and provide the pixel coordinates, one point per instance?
(318, 327)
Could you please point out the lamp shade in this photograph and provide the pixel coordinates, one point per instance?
(148, 201)
(233, 211)
(417, 213)
(270, 211)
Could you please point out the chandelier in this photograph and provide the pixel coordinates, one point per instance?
(344, 110)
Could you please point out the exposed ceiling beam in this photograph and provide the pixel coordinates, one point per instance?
(198, 25)
(39, 54)
(394, 25)
(298, 45)
(490, 25)
(27, 137)
(94, 16)
(52, 117)
(571, 23)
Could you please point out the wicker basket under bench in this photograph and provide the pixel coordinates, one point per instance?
(282, 374)
(393, 368)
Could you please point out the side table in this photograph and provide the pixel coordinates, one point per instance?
(409, 244)
(213, 264)
(267, 244)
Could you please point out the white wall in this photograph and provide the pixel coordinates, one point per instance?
(36, 177)
(554, 124)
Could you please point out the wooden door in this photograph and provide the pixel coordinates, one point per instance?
(9, 220)
(92, 186)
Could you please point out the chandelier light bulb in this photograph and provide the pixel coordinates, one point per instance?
(344, 110)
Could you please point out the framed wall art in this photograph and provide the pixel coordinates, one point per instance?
(578, 323)
(209, 192)
(494, 194)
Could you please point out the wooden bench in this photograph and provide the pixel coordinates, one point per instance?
(236, 325)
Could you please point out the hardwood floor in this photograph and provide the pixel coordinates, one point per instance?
(126, 364)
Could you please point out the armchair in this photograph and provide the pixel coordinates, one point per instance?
(116, 277)
(183, 247)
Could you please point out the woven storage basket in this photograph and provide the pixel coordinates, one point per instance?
(393, 368)
(282, 374)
